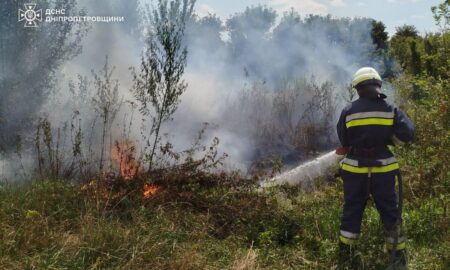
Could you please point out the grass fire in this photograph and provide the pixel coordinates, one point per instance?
(123, 153)
(193, 134)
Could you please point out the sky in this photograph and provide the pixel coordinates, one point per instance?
(393, 13)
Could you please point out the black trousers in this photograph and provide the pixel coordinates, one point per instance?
(357, 188)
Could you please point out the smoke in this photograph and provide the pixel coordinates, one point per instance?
(241, 73)
(242, 82)
(29, 59)
(121, 44)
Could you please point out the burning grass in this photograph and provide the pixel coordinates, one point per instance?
(150, 190)
(124, 154)
(176, 182)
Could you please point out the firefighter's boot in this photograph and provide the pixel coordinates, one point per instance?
(396, 249)
(349, 258)
(399, 262)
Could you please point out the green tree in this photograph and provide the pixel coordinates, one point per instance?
(442, 15)
(158, 85)
(380, 39)
(406, 31)
(405, 48)
(379, 35)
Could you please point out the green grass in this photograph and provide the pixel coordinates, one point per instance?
(52, 225)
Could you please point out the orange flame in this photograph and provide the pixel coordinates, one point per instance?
(123, 153)
(150, 190)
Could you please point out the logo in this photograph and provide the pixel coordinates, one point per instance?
(30, 15)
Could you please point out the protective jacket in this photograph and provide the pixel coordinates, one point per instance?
(367, 126)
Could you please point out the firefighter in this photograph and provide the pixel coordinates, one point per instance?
(365, 129)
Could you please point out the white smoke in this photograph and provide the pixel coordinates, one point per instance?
(259, 48)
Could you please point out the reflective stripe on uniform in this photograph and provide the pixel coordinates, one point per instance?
(384, 162)
(362, 115)
(369, 118)
(391, 240)
(349, 234)
(348, 241)
(370, 121)
(350, 162)
(387, 165)
(381, 169)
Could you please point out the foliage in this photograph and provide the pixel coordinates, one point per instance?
(380, 39)
(107, 104)
(379, 35)
(53, 160)
(429, 109)
(158, 86)
(423, 92)
(422, 56)
(404, 48)
(442, 15)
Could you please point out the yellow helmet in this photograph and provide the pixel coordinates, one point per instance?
(366, 75)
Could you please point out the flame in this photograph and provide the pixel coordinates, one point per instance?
(150, 190)
(123, 153)
(91, 188)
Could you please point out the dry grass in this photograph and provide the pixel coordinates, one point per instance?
(52, 225)
(247, 262)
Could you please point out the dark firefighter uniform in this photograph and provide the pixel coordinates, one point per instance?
(366, 127)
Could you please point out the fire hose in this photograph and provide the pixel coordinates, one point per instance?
(398, 223)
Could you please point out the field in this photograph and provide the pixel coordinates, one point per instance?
(55, 225)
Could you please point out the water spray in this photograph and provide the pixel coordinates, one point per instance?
(306, 172)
